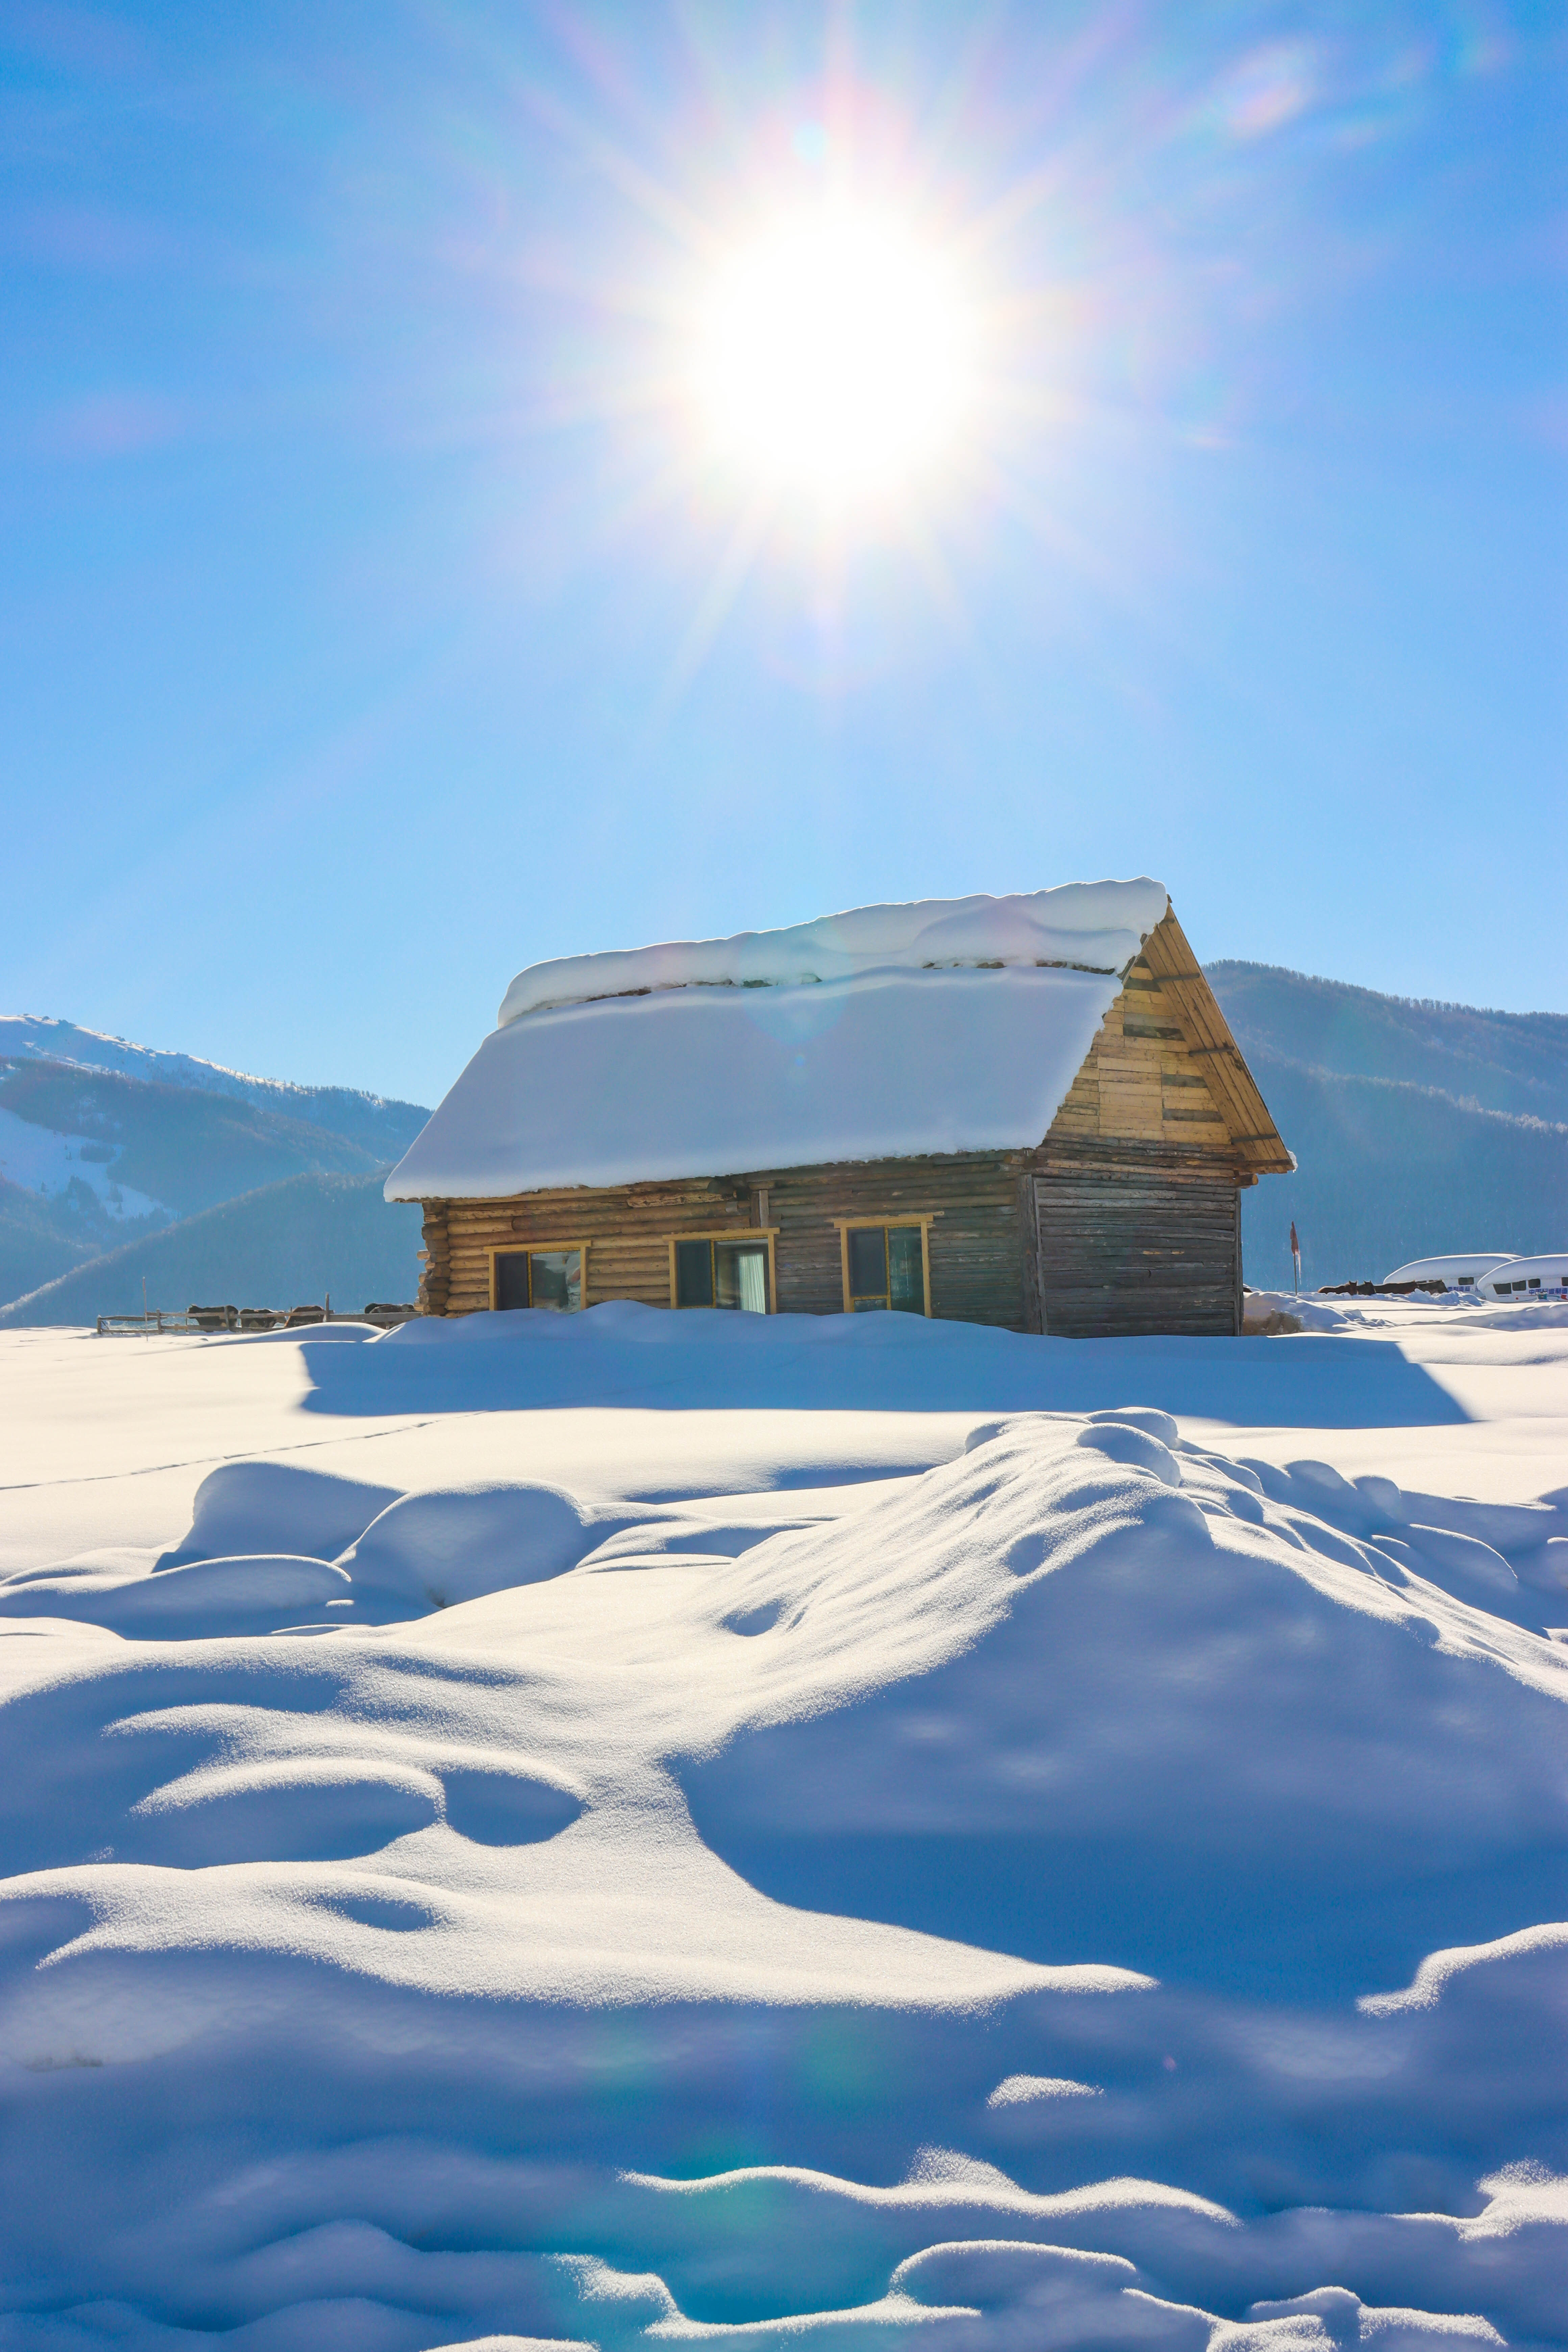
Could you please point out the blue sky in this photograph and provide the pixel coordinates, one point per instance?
(375, 621)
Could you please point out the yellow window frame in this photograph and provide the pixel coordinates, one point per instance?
(925, 1219)
(539, 1249)
(742, 1234)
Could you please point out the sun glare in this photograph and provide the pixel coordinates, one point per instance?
(835, 356)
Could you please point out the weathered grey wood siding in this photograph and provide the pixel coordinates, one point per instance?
(977, 1241)
(977, 1238)
(1137, 1241)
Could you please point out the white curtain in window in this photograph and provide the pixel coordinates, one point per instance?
(754, 1282)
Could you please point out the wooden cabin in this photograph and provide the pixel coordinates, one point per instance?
(1027, 1112)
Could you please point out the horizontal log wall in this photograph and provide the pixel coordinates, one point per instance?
(977, 1244)
(977, 1252)
(626, 1229)
(1141, 1082)
(434, 1283)
(1136, 1239)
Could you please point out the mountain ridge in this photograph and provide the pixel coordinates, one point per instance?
(107, 1147)
(1417, 1127)
(352, 1112)
(1502, 1061)
(281, 1245)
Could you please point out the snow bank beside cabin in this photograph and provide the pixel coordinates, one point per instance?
(1094, 926)
(1099, 1891)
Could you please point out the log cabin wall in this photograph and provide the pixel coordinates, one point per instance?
(627, 1229)
(977, 1243)
(1136, 1239)
(1137, 1223)
(435, 1281)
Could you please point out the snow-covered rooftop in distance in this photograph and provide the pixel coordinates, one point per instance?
(884, 1033)
(1449, 1269)
(1548, 1271)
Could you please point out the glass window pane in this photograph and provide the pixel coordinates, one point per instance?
(557, 1279)
(742, 1276)
(694, 1274)
(905, 1268)
(511, 1278)
(868, 1262)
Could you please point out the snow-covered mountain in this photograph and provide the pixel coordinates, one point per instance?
(103, 1143)
(1417, 1127)
(383, 1127)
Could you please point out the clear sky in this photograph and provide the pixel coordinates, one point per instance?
(386, 605)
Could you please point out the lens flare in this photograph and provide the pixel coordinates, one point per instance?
(834, 355)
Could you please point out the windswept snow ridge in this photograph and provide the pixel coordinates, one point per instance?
(1100, 1888)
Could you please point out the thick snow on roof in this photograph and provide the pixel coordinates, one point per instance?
(1094, 926)
(886, 1032)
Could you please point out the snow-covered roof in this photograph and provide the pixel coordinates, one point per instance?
(1550, 1271)
(1449, 1268)
(889, 1032)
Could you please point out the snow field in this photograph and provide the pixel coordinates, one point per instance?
(1098, 1889)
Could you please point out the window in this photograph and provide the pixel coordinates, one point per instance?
(733, 1269)
(887, 1266)
(551, 1278)
(1466, 1282)
(1535, 1282)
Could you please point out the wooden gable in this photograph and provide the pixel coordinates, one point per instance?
(1165, 1069)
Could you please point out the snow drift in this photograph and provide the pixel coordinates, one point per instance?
(1098, 1890)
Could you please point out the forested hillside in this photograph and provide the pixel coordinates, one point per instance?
(98, 1157)
(1417, 1127)
(285, 1244)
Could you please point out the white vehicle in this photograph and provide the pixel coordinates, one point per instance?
(1465, 1272)
(1528, 1277)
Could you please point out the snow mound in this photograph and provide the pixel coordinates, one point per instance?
(1098, 1891)
(1285, 1308)
(433, 1549)
(278, 1507)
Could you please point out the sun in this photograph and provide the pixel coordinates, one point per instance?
(834, 355)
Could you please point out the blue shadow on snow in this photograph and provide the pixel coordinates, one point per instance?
(1307, 1382)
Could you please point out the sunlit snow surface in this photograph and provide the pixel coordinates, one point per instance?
(641, 1828)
